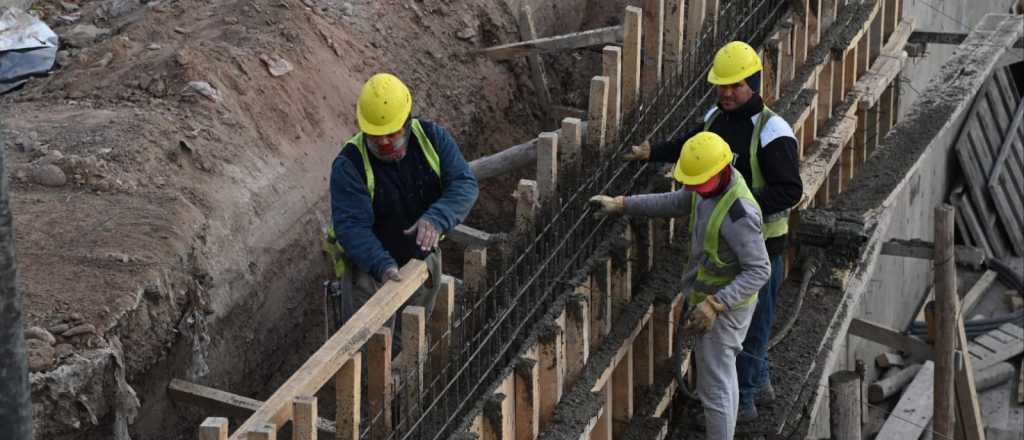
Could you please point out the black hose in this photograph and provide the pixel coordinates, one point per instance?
(679, 352)
(1006, 274)
(811, 264)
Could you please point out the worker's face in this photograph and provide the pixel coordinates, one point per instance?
(733, 96)
(707, 189)
(391, 147)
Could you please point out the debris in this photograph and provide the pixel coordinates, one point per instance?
(64, 350)
(41, 356)
(49, 175)
(28, 47)
(70, 18)
(105, 61)
(59, 328)
(83, 329)
(83, 35)
(277, 66)
(204, 88)
(40, 334)
(180, 30)
(466, 34)
(69, 7)
(154, 46)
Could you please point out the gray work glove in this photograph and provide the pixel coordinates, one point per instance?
(608, 205)
(638, 152)
(391, 274)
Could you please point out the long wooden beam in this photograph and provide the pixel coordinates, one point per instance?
(511, 158)
(575, 40)
(322, 365)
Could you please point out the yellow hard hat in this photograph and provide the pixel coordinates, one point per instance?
(704, 155)
(734, 62)
(384, 105)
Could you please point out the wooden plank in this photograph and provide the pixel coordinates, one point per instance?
(575, 40)
(348, 398)
(547, 167)
(965, 210)
(913, 411)
(968, 411)
(877, 39)
(889, 337)
(977, 290)
(214, 428)
(603, 429)
(631, 53)
(997, 346)
(266, 432)
(327, 360)
(304, 423)
(527, 392)
(664, 329)
(468, 236)
(891, 14)
(694, 20)
(675, 24)
(612, 68)
(528, 32)
(577, 337)
(653, 41)
(601, 303)
(379, 383)
(505, 394)
(803, 37)
(222, 402)
(888, 360)
(413, 356)
(622, 273)
(551, 355)
(622, 392)
(598, 117)
(643, 357)
(606, 375)
(824, 95)
(440, 326)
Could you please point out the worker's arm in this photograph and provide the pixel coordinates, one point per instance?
(352, 217)
(459, 188)
(780, 167)
(741, 230)
(668, 151)
(669, 204)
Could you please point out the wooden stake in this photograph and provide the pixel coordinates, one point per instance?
(622, 274)
(347, 394)
(968, 412)
(601, 303)
(675, 21)
(664, 329)
(304, 418)
(577, 337)
(527, 197)
(441, 324)
(379, 382)
(888, 386)
(266, 432)
(214, 428)
(598, 117)
(694, 21)
(622, 394)
(612, 68)
(824, 96)
(547, 167)
(527, 392)
(507, 408)
(946, 311)
(603, 428)
(570, 142)
(414, 355)
(474, 269)
(844, 387)
(540, 83)
(643, 356)
(654, 22)
(552, 369)
(631, 52)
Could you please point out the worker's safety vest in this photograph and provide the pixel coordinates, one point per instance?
(331, 245)
(713, 273)
(777, 224)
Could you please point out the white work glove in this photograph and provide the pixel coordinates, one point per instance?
(426, 233)
(391, 274)
(704, 316)
(638, 152)
(607, 205)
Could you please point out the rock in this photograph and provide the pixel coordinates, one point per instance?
(180, 30)
(83, 329)
(63, 58)
(231, 20)
(466, 34)
(64, 350)
(84, 35)
(105, 61)
(40, 334)
(152, 292)
(157, 87)
(41, 356)
(154, 46)
(49, 175)
(277, 66)
(69, 7)
(120, 46)
(346, 9)
(204, 88)
(74, 317)
(59, 328)
(70, 18)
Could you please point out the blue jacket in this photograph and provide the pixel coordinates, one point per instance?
(372, 231)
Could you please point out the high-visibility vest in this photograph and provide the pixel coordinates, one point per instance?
(777, 224)
(717, 274)
(331, 245)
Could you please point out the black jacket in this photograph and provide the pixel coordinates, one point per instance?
(777, 155)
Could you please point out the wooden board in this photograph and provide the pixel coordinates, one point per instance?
(575, 40)
(229, 404)
(913, 413)
(996, 346)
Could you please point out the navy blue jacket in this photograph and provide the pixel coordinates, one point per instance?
(372, 231)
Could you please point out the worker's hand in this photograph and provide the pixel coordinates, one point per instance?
(608, 205)
(426, 233)
(638, 152)
(391, 274)
(704, 316)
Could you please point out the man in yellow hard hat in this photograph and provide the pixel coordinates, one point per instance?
(728, 264)
(767, 156)
(396, 187)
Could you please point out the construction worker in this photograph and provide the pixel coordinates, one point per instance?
(767, 157)
(396, 187)
(728, 264)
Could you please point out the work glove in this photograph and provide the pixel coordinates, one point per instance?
(391, 274)
(703, 317)
(426, 233)
(638, 152)
(607, 205)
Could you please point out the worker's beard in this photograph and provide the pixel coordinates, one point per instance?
(388, 152)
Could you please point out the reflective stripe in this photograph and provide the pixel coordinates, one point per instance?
(331, 245)
(777, 224)
(711, 277)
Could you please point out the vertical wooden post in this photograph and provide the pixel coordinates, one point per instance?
(651, 245)
(506, 392)
(347, 394)
(214, 428)
(814, 24)
(654, 22)
(675, 23)
(631, 52)
(527, 32)
(474, 268)
(810, 129)
(527, 201)
(622, 274)
(612, 68)
(860, 141)
(597, 117)
(570, 141)
(664, 329)
(414, 355)
(696, 10)
(441, 324)
(622, 393)
(527, 390)
(844, 403)
(711, 18)
(968, 411)
(824, 96)
(304, 418)
(603, 429)
(849, 70)
(265, 432)
(891, 18)
(877, 38)
(547, 167)
(824, 194)
(863, 54)
(838, 69)
(601, 303)
(551, 353)
(802, 35)
(886, 109)
(577, 337)
(379, 382)
(643, 356)
(946, 314)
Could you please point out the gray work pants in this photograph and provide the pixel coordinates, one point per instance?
(717, 384)
(362, 287)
